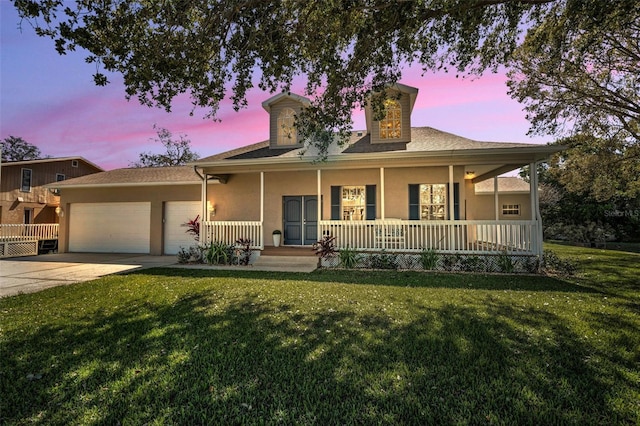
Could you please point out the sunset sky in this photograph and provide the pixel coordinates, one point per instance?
(50, 101)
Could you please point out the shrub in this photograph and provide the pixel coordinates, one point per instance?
(326, 247)
(505, 264)
(348, 258)
(193, 227)
(384, 260)
(245, 250)
(554, 264)
(219, 253)
(191, 255)
(428, 259)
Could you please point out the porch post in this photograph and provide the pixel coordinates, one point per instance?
(262, 209)
(382, 193)
(495, 198)
(203, 211)
(261, 197)
(536, 205)
(319, 202)
(452, 210)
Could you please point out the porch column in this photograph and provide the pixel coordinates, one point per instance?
(319, 200)
(382, 193)
(536, 205)
(261, 197)
(496, 201)
(203, 210)
(262, 209)
(452, 211)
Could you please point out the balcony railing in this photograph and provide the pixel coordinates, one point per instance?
(230, 231)
(18, 232)
(450, 236)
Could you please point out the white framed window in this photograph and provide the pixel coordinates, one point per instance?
(353, 203)
(433, 201)
(287, 133)
(511, 209)
(25, 185)
(74, 163)
(391, 124)
(60, 177)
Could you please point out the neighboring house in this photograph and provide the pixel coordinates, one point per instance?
(24, 199)
(391, 187)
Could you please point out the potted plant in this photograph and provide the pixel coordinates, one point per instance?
(277, 235)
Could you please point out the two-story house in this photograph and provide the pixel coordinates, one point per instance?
(23, 197)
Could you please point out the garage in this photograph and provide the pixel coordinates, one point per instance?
(176, 213)
(110, 227)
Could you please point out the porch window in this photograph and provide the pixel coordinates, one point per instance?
(353, 202)
(391, 125)
(26, 180)
(511, 209)
(287, 133)
(431, 201)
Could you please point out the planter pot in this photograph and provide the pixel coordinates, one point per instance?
(276, 240)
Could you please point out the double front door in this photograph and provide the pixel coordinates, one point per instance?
(300, 215)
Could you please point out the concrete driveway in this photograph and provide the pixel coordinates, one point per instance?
(35, 273)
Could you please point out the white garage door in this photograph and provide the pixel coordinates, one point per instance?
(110, 227)
(177, 213)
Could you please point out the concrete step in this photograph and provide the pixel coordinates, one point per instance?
(286, 263)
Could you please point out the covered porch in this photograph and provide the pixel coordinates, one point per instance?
(455, 234)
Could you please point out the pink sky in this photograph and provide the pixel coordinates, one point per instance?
(51, 102)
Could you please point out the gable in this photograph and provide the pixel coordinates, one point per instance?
(396, 126)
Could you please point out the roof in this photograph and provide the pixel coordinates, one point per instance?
(284, 95)
(49, 160)
(505, 184)
(142, 176)
(423, 139)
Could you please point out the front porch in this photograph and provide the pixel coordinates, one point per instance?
(402, 236)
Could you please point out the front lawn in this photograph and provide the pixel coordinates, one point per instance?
(172, 346)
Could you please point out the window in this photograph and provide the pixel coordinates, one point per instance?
(433, 201)
(391, 125)
(511, 209)
(353, 203)
(74, 163)
(287, 134)
(60, 177)
(26, 180)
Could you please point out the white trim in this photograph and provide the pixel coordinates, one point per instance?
(319, 201)
(261, 197)
(382, 208)
(496, 200)
(127, 184)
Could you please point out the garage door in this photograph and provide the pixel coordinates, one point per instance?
(109, 227)
(177, 213)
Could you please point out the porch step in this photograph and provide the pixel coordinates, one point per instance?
(286, 263)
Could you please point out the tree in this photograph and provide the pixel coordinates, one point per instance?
(177, 152)
(17, 149)
(577, 75)
(346, 49)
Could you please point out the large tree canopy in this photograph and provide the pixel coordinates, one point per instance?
(578, 62)
(578, 73)
(216, 49)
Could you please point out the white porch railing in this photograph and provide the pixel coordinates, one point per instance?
(230, 231)
(40, 231)
(451, 236)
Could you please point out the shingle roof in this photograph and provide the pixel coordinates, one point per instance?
(505, 184)
(50, 160)
(423, 139)
(135, 176)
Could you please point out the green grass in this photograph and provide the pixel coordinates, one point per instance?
(170, 346)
